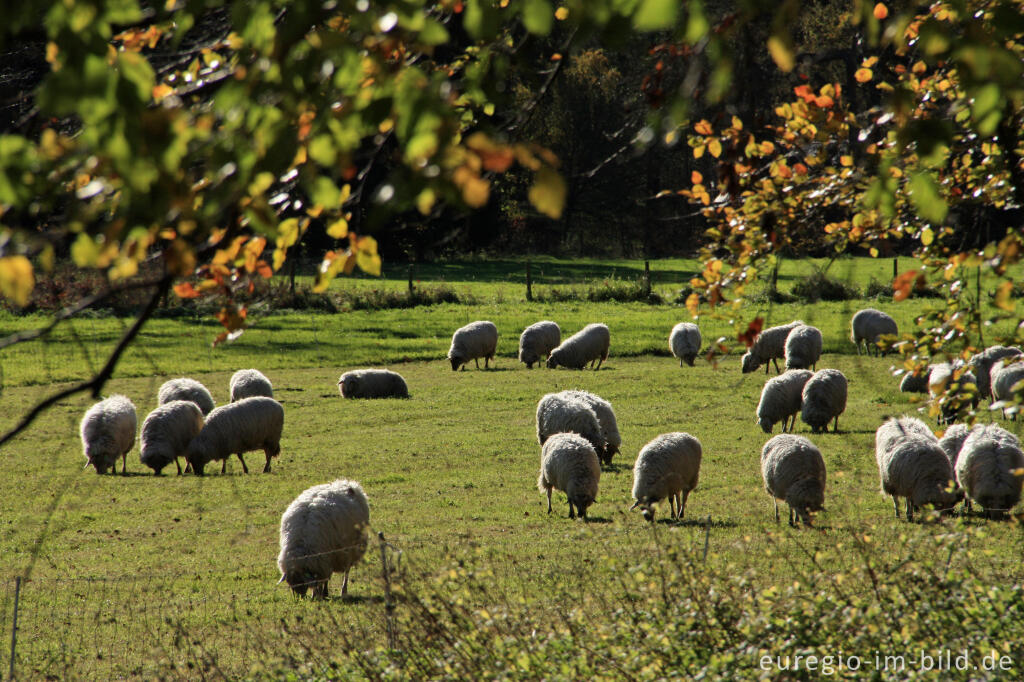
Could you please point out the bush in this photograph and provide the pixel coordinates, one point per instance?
(601, 291)
(878, 290)
(821, 287)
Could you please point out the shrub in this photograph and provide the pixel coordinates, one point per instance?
(600, 291)
(820, 287)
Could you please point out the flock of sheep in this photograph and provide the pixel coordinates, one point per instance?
(324, 530)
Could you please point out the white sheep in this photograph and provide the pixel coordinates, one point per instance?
(914, 466)
(166, 433)
(563, 413)
(249, 424)
(794, 471)
(823, 399)
(568, 462)
(868, 325)
(186, 389)
(1005, 374)
(952, 387)
(605, 419)
(770, 345)
(323, 531)
(952, 441)
(248, 383)
(474, 341)
(108, 432)
(537, 341)
(372, 383)
(781, 398)
(982, 364)
(803, 347)
(589, 344)
(916, 381)
(668, 466)
(684, 342)
(990, 469)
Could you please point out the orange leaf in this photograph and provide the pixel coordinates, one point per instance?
(696, 178)
(902, 284)
(703, 127)
(881, 11)
(863, 75)
(186, 290)
(753, 329)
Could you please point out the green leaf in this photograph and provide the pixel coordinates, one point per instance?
(321, 150)
(538, 16)
(84, 251)
(697, 25)
(656, 15)
(548, 193)
(433, 33)
(325, 193)
(480, 20)
(986, 108)
(924, 193)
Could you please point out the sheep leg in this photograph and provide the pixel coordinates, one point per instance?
(776, 511)
(896, 505)
(599, 361)
(682, 503)
(776, 362)
(910, 510)
(572, 512)
(245, 469)
(672, 505)
(792, 517)
(344, 585)
(177, 464)
(549, 500)
(680, 362)
(124, 463)
(835, 427)
(477, 361)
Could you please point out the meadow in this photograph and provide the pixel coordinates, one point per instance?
(175, 577)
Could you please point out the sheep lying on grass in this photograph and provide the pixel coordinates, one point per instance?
(249, 424)
(912, 465)
(569, 463)
(824, 398)
(803, 347)
(589, 344)
(372, 383)
(990, 469)
(108, 432)
(248, 383)
(186, 389)
(474, 341)
(794, 471)
(868, 325)
(668, 466)
(781, 399)
(537, 341)
(323, 531)
(770, 345)
(166, 433)
(684, 342)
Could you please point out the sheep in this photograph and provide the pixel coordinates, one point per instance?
(562, 413)
(869, 324)
(990, 469)
(249, 424)
(794, 471)
(474, 341)
(952, 442)
(1004, 375)
(186, 389)
(569, 463)
(323, 531)
(684, 342)
(605, 419)
(589, 344)
(913, 465)
(983, 362)
(781, 398)
(770, 344)
(916, 381)
(247, 383)
(668, 466)
(372, 383)
(824, 398)
(537, 341)
(108, 432)
(952, 386)
(803, 347)
(166, 433)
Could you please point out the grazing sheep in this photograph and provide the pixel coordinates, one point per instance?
(563, 413)
(990, 469)
(108, 432)
(537, 341)
(186, 389)
(605, 419)
(1004, 375)
(781, 398)
(249, 424)
(248, 383)
(770, 344)
(952, 442)
(982, 364)
(869, 324)
(569, 463)
(952, 386)
(166, 433)
(794, 471)
(668, 466)
(323, 531)
(474, 341)
(916, 381)
(372, 383)
(803, 347)
(914, 466)
(684, 342)
(824, 398)
(589, 344)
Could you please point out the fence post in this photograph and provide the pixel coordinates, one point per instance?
(389, 606)
(707, 537)
(529, 283)
(14, 624)
(895, 267)
(410, 279)
(647, 278)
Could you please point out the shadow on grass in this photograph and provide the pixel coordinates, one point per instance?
(697, 523)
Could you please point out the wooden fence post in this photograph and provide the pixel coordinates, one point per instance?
(529, 283)
(647, 278)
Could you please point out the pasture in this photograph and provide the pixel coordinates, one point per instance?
(140, 576)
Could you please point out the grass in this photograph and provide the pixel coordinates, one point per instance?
(141, 576)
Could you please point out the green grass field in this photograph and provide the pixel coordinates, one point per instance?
(141, 577)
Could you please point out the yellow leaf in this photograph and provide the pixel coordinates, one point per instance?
(548, 193)
(425, 201)
(927, 236)
(846, 160)
(16, 279)
(698, 151)
(715, 148)
(84, 251)
(288, 233)
(781, 53)
(338, 229)
(863, 75)
(692, 303)
(737, 123)
(279, 258)
(1003, 296)
(368, 262)
(562, 13)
